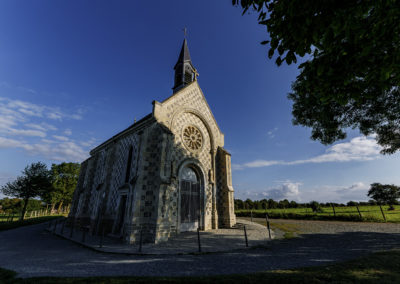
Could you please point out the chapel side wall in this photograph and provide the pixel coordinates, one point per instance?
(225, 200)
(148, 187)
(82, 217)
(79, 188)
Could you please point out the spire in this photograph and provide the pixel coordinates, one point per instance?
(185, 73)
(184, 56)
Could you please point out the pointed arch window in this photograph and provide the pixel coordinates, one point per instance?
(128, 166)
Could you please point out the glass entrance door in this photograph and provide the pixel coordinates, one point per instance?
(190, 200)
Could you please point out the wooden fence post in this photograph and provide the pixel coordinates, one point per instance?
(359, 213)
(383, 214)
(333, 207)
(269, 230)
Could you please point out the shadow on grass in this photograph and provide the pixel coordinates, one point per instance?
(16, 224)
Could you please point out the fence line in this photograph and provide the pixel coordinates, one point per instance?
(10, 217)
(349, 213)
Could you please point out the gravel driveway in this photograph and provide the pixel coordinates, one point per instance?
(31, 251)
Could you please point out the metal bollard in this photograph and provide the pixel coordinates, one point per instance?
(198, 238)
(245, 236)
(83, 235)
(140, 239)
(251, 215)
(198, 234)
(101, 239)
(62, 228)
(72, 230)
(55, 226)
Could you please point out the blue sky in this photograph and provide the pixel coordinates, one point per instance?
(74, 73)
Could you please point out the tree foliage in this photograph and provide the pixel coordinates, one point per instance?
(384, 193)
(64, 178)
(350, 75)
(35, 180)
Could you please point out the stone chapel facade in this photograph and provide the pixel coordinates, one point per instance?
(165, 174)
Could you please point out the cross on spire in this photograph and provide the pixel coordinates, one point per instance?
(185, 32)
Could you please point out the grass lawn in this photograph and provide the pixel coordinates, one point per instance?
(382, 267)
(26, 222)
(347, 213)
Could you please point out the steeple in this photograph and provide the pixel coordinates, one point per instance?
(185, 73)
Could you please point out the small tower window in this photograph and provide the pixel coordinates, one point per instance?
(188, 77)
(128, 166)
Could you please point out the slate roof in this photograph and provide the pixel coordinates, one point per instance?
(184, 56)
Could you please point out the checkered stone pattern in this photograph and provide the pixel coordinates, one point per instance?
(191, 98)
(90, 172)
(150, 182)
(119, 168)
(100, 169)
(225, 202)
(204, 155)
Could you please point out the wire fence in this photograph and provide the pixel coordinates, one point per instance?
(373, 213)
(11, 217)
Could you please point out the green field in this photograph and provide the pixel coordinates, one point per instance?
(346, 213)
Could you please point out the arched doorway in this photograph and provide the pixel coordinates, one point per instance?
(190, 198)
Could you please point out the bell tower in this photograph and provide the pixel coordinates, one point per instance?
(185, 73)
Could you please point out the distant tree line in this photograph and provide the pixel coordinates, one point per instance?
(54, 187)
(380, 194)
(15, 205)
(265, 204)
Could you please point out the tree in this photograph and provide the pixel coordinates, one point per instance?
(350, 75)
(34, 181)
(64, 178)
(316, 207)
(384, 193)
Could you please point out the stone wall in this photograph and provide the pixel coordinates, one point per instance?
(225, 201)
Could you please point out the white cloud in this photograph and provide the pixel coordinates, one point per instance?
(295, 191)
(271, 133)
(41, 126)
(61, 138)
(262, 163)
(26, 132)
(9, 143)
(338, 194)
(286, 190)
(59, 151)
(357, 149)
(27, 122)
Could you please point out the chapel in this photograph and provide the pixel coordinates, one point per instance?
(165, 174)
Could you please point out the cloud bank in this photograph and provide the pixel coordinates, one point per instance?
(30, 127)
(324, 193)
(357, 149)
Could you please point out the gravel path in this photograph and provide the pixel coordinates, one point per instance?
(220, 240)
(331, 227)
(31, 251)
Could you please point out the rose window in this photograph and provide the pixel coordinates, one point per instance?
(192, 138)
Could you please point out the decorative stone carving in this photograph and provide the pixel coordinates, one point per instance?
(192, 138)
